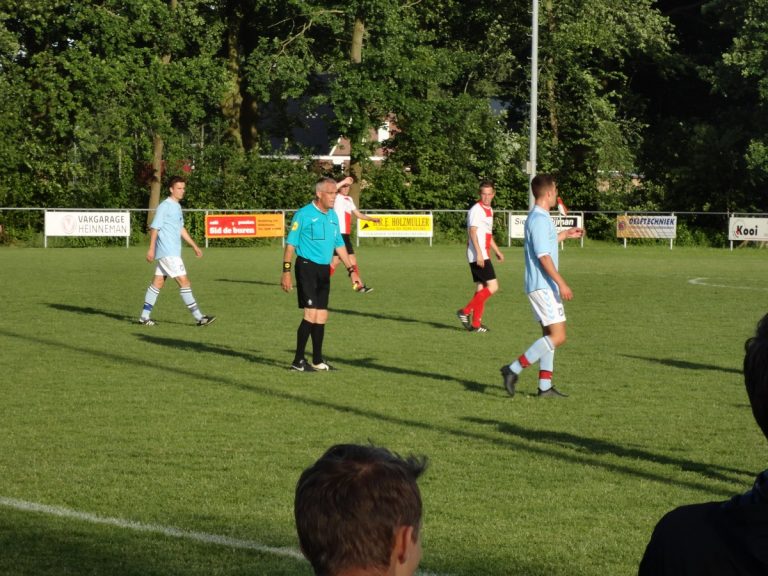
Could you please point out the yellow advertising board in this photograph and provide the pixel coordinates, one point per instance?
(396, 225)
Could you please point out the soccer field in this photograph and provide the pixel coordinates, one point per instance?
(175, 449)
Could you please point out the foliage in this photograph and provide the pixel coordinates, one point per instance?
(590, 124)
(97, 91)
(706, 145)
(86, 86)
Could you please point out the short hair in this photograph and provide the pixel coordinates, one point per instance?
(349, 504)
(541, 183)
(756, 373)
(175, 180)
(322, 182)
(486, 184)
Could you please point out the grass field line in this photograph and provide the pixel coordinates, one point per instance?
(701, 282)
(170, 531)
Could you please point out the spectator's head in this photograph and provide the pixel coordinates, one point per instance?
(541, 185)
(359, 508)
(756, 373)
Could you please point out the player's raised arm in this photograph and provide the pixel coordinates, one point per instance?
(570, 233)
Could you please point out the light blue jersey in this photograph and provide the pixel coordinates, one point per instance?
(540, 239)
(168, 222)
(315, 234)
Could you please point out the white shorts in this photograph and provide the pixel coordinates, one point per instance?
(547, 307)
(172, 266)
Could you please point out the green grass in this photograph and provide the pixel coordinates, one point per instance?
(205, 429)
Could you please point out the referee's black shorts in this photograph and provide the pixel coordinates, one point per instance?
(313, 284)
(482, 275)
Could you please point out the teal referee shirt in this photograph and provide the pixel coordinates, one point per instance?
(315, 234)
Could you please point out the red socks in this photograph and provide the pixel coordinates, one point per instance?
(477, 305)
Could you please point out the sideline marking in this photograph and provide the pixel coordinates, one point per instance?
(152, 528)
(170, 531)
(700, 282)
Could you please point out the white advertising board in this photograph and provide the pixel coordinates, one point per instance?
(67, 223)
(632, 226)
(742, 228)
(517, 223)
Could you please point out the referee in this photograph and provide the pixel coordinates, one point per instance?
(314, 237)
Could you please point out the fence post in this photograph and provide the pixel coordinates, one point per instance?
(625, 238)
(432, 217)
(672, 240)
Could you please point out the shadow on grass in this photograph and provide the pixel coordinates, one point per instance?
(599, 447)
(510, 441)
(367, 363)
(684, 364)
(43, 544)
(198, 347)
(257, 282)
(469, 385)
(91, 311)
(396, 318)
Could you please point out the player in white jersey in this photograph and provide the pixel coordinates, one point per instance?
(480, 243)
(345, 208)
(545, 287)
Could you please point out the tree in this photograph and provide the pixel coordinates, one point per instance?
(592, 123)
(96, 90)
(705, 144)
(748, 58)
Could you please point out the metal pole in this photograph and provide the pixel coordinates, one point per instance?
(534, 98)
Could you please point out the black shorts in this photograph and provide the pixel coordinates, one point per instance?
(313, 284)
(482, 275)
(348, 243)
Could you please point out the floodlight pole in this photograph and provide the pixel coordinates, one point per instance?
(534, 99)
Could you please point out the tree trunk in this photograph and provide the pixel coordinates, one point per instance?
(157, 155)
(157, 176)
(233, 99)
(248, 118)
(357, 150)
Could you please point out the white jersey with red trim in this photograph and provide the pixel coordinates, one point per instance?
(481, 218)
(344, 206)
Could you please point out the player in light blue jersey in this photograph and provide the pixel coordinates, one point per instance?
(545, 287)
(314, 238)
(166, 232)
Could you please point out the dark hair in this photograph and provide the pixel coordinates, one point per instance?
(485, 184)
(541, 183)
(756, 373)
(349, 504)
(175, 180)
